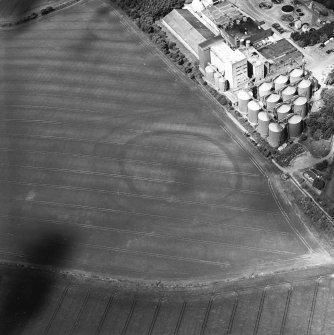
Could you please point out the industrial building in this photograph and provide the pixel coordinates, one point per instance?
(187, 29)
(231, 64)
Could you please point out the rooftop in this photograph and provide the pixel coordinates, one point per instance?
(181, 20)
(223, 13)
(224, 52)
(280, 52)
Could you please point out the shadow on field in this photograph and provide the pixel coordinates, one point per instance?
(25, 295)
(20, 7)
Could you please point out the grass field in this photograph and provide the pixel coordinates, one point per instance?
(122, 164)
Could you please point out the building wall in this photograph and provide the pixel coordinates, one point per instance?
(235, 73)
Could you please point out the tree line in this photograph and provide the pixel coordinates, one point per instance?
(313, 37)
(321, 123)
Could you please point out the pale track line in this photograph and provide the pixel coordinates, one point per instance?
(169, 236)
(101, 209)
(136, 252)
(149, 163)
(87, 140)
(93, 173)
(139, 232)
(134, 195)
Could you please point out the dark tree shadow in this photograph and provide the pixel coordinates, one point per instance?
(24, 295)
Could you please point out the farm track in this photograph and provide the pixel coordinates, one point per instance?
(114, 165)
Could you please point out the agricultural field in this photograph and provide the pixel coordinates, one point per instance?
(113, 163)
(17, 8)
(297, 307)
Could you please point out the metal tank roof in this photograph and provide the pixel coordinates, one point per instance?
(273, 98)
(290, 90)
(264, 116)
(254, 105)
(275, 127)
(217, 75)
(300, 101)
(296, 73)
(209, 69)
(285, 108)
(266, 87)
(305, 83)
(243, 95)
(295, 119)
(281, 79)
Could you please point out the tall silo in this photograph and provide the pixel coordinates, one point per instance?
(288, 93)
(216, 77)
(280, 82)
(275, 134)
(296, 75)
(305, 88)
(253, 111)
(295, 126)
(263, 127)
(300, 106)
(265, 89)
(243, 99)
(272, 101)
(209, 74)
(283, 111)
(222, 84)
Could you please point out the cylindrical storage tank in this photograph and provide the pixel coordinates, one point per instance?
(283, 111)
(295, 75)
(209, 74)
(280, 82)
(305, 88)
(275, 134)
(242, 41)
(298, 24)
(300, 106)
(263, 127)
(295, 126)
(272, 101)
(253, 111)
(288, 93)
(222, 84)
(247, 43)
(265, 89)
(216, 77)
(243, 99)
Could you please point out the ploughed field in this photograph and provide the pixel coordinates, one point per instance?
(34, 304)
(111, 163)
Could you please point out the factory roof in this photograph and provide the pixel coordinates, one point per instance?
(223, 13)
(183, 21)
(279, 52)
(225, 53)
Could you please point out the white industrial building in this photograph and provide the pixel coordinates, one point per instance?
(231, 63)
